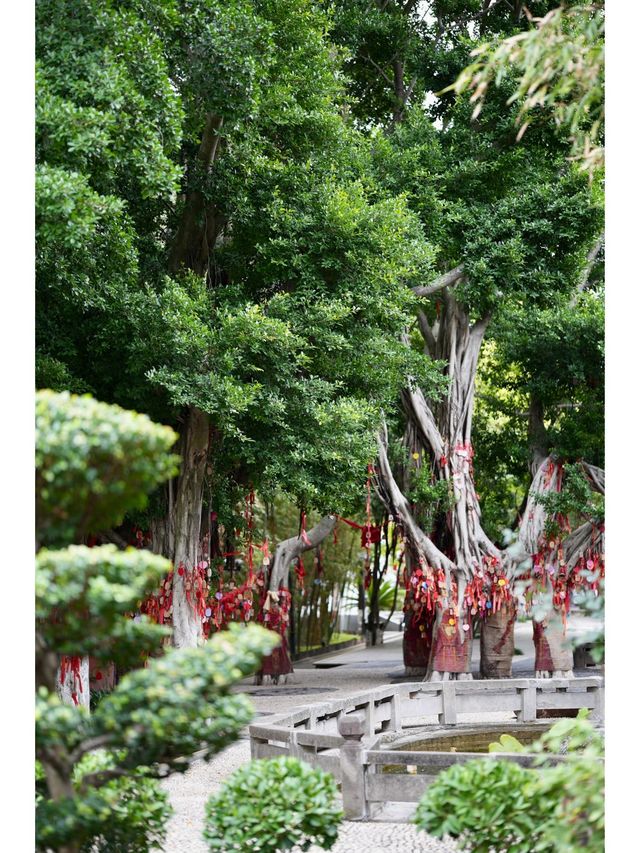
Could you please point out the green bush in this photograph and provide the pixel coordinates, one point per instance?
(498, 806)
(76, 586)
(273, 805)
(481, 803)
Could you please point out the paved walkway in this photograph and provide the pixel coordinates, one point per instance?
(316, 680)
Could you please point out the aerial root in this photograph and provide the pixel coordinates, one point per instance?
(449, 676)
(557, 673)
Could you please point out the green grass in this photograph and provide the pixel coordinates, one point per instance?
(335, 639)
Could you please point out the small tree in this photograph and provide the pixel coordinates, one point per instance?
(97, 787)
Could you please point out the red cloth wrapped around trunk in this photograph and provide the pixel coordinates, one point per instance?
(450, 653)
(278, 662)
(416, 644)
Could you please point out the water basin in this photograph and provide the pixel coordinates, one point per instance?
(465, 739)
(471, 739)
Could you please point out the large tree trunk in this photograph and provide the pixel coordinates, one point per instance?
(459, 551)
(178, 537)
(556, 560)
(186, 522)
(554, 653)
(416, 646)
(497, 643)
(418, 630)
(60, 787)
(451, 648)
(461, 548)
(199, 225)
(68, 677)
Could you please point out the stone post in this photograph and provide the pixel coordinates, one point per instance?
(597, 714)
(352, 728)
(528, 710)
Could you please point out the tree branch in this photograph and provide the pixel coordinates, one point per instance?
(418, 410)
(396, 502)
(115, 538)
(537, 436)
(379, 70)
(187, 249)
(427, 333)
(101, 777)
(480, 326)
(289, 549)
(531, 531)
(441, 282)
(595, 476)
(584, 539)
(90, 745)
(488, 7)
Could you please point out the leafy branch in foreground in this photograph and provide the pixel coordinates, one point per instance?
(557, 65)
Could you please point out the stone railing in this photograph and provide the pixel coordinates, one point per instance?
(343, 736)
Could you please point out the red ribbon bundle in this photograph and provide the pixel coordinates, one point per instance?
(499, 589)
(303, 528)
(424, 592)
(159, 607)
(274, 610)
(475, 594)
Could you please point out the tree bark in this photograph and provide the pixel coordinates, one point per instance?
(497, 630)
(186, 521)
(497, 643)
(290, 549)
(197, 229)
(537, 435)
(73, 681)
(451, 649)
(418, 631)
(554, 655)
(60, 787)
(416, 647)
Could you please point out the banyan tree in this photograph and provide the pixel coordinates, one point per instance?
(458, 575)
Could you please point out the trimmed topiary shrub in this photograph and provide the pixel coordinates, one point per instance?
(272, 805)
(481, 803)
